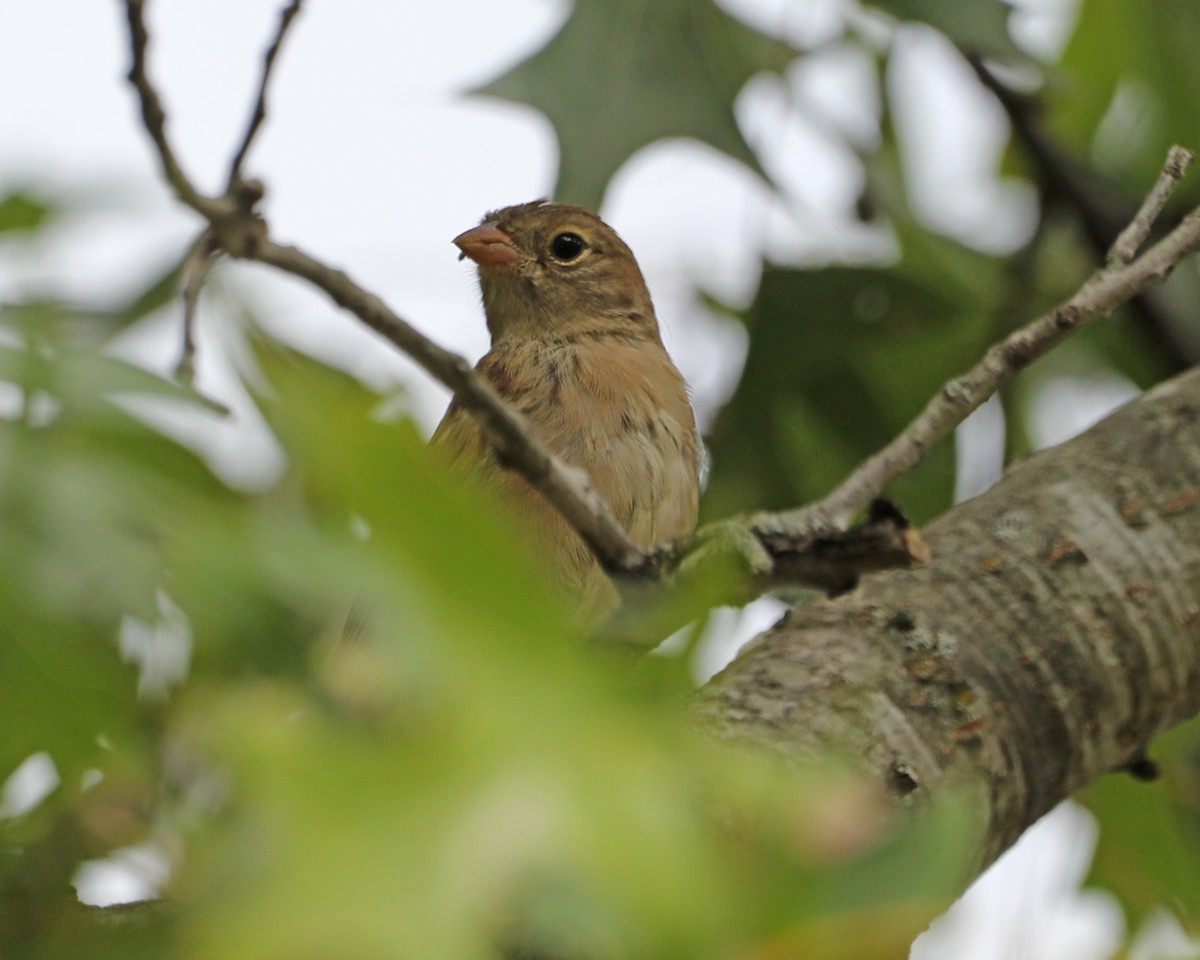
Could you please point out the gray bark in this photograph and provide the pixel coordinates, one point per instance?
(1054, 635)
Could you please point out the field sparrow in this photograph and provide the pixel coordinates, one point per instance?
(576, 349)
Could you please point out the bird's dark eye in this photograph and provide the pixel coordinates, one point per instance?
(567, 246)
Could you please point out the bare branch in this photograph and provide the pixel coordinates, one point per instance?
(260, 103)
(1133, 236)
(1104, 292)
(154, 117)
(196, 267)
(1102, 208)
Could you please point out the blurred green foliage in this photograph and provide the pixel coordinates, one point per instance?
(20, 211)
(1150, 834)
(470, 779)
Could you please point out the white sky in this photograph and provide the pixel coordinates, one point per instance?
(373, 162)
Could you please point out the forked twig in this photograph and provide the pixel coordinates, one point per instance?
(260, 102)
(1130, 240)
(1121, 279)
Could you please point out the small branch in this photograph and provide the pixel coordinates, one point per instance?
(154, 117)
(731, 563)
(196, 267)
(1133, 236)
(1104, 292)
(1101, 207)
(835, 561)
(260, 103)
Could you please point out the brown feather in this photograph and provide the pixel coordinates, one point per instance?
(576, 348)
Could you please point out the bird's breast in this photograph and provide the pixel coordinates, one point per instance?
(618, 409)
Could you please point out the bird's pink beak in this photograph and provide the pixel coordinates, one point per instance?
(487, 245)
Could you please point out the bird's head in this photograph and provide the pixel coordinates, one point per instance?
(549, 270)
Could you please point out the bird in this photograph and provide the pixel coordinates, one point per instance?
(576, 348)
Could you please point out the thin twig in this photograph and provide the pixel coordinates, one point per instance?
(260, 102)
(196, 267)
(1100, 205)
(1130, 240)
(1104, 292)
(154, 117)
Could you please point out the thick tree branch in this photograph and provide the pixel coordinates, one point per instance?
(1053, 636)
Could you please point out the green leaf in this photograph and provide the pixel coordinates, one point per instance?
(546, 814)
(1149, 840)
(79, 377)
(88, 497)
(470, 774)
(1128, 87)
(163, 288)
(352, 460)
(22, 212)
(624, 73)
(468, 777)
